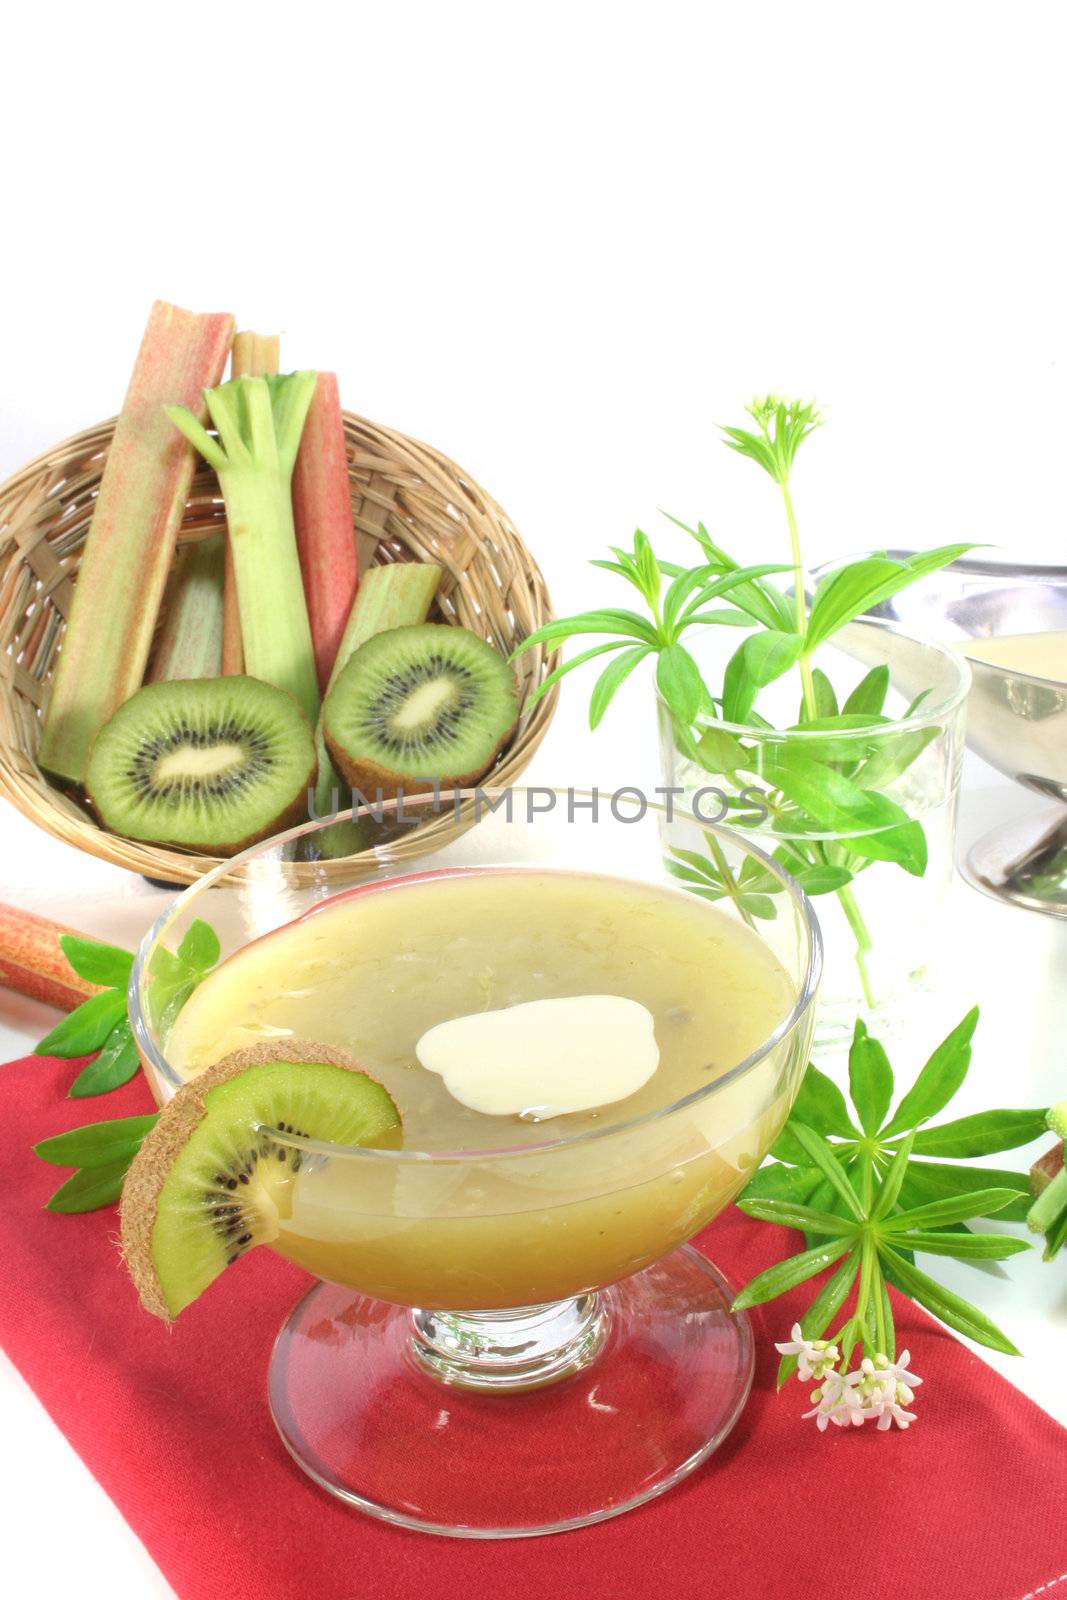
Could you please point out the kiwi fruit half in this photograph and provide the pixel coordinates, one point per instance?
(210, 1182)
(210, 763)
(417, 706)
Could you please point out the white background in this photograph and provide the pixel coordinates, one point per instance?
(561, 243)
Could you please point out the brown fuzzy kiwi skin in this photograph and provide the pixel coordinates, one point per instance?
(370, 779)
(293, 814)
(177, 1121)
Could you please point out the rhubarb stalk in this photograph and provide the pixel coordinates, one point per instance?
(395, 596)
(254, 355)
(130, 546)
(190, 640)
(325, 533)
(32, 960)
(259, 422)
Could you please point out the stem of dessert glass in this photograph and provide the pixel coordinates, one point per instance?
(509, 1351)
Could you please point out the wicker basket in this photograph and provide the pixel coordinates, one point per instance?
(410, 504)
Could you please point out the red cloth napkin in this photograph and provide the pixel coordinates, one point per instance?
(970, 1502)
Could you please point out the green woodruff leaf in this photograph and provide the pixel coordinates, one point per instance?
(86, 1028)
(102, 1151)
(97, 1144)
(114, 1066)
(90, 1188)
(200, 948)
(856, 1184)
(105, 964)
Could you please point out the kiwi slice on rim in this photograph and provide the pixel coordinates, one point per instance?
(210, 763)
(419, 705)
(210, 1182)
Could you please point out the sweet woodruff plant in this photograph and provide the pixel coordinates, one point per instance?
(817, 786)
(870, 1188)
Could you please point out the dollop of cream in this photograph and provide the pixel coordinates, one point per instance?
(544, 1057)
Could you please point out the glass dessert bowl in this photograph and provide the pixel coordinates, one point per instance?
(510, 1334)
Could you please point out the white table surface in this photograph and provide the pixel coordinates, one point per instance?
(561, 243)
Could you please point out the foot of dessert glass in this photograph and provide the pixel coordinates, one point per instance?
(515, 1423)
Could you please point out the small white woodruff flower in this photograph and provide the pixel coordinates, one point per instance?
(891, 1413)
(877, 1391)
(895, 1373)
(836, 1400)
(884, 1388)
(814, 1356)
